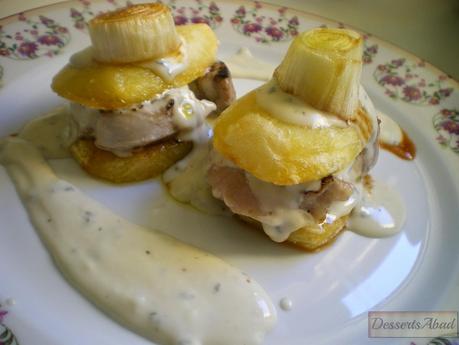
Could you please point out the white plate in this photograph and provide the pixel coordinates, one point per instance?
(331, 290)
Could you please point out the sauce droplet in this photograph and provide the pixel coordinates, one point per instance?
(286, 304)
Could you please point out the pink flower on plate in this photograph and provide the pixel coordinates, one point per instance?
(27, 49)
(451, 127)
(446, 112)
(274, 32)
(197, 20)
(445, 92)
(422, 83)
(3, 313)
(434, 101)
(180, 20)
(80, 25)
(373, 49)
(392, 80)
(75, 13)
(398, 62)
(49, 40)
(441, 140)
(411, 93)
(46, 21)
(241, 11)
(252, 27)
(22, 17)
(294, 21)
(4, 52)
(235, 21)
(213, 7)
(443, 77)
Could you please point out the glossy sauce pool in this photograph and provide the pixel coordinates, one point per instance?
(155, 285)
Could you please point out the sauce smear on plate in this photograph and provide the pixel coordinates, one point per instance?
(405, 149)
(157, 286)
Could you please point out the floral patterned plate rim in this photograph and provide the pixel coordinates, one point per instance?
(299, 12)
(346, 280)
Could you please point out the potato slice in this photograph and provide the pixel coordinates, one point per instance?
(312, 240)
(308, 238)
(278, 152)
(105, 86)
(148, 162)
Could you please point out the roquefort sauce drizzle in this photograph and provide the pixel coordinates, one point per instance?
(291, 109)
(50, 133)
(244, 65)
(159, 287)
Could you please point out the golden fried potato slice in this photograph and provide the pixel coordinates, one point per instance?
(148, 162)
(308, 238)
(279, 152)
(105, 86)
(311, 240)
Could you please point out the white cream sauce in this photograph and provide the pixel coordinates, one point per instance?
(338, 209)
(186, 181)
(282, 206)
(244, 65)
(159, 287)
(380, 212)
(273, 196)
(168, 67)
(50, 133)
(188, 111)
(391, 133)
(286, 304)
(280, 223)
(291, 109)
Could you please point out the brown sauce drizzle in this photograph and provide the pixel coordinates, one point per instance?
(405, 150)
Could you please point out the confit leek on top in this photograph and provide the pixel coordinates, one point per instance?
(323, 67)
(136, 33)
